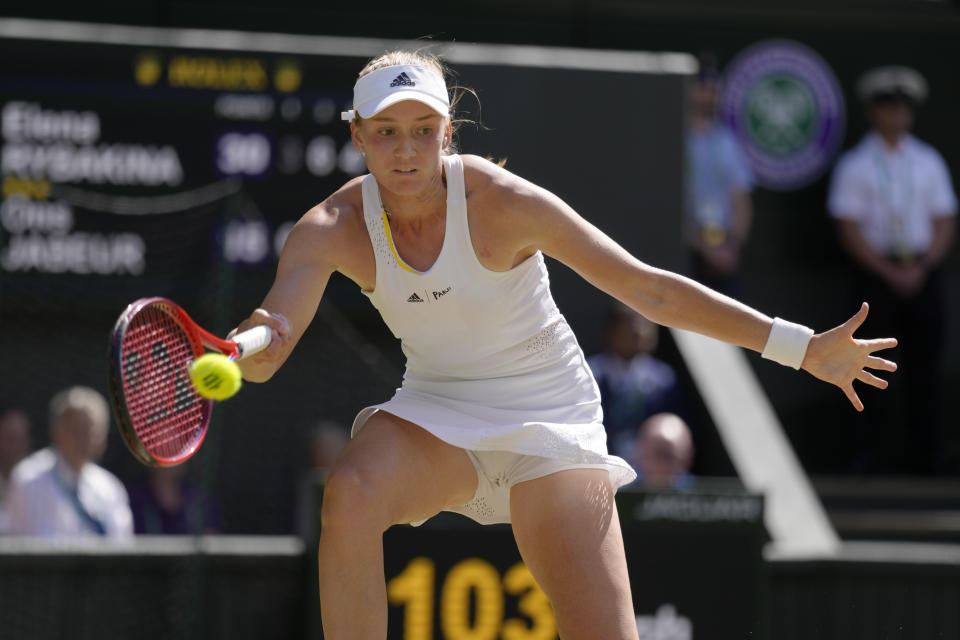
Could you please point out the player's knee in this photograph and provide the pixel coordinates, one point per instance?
(350, 500)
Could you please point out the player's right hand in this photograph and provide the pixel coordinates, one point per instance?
(274, 355)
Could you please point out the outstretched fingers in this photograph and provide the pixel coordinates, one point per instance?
(857, 319)
(881, 364)
(872, 380)
(852, 396)
(843, 359)
(879, 344)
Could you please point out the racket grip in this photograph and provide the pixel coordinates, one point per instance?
(253, 340)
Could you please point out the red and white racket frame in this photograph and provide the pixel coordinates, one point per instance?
(244, 344)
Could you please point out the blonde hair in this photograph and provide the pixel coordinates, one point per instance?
(421, 58)
(405, 56)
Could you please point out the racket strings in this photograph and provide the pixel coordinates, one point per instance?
(167, 414)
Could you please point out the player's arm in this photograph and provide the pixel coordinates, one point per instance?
(538, 219)
(545, 222)
(309, 257)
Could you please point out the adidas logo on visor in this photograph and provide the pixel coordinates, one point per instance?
(403, 80)
(414, 298)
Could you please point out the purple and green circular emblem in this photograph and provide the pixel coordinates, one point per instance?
(786, 107)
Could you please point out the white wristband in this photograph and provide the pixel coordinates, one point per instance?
(787, 343)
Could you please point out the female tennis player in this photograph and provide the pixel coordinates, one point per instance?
(498, 416)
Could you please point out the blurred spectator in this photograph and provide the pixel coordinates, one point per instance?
(895, 208)
(168, 502)
(663, 452)
(14, 446)
(60, 491)
(719, 182)
(324, 444)
(633, 383)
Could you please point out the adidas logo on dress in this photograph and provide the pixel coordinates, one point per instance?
(403, 80)
(414, 298)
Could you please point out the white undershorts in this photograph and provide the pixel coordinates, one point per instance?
(497, 472)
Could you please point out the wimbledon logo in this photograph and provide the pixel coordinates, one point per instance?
(786, 107)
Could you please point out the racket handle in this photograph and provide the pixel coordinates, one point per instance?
(253, 340)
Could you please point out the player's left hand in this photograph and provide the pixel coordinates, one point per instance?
(835, 356)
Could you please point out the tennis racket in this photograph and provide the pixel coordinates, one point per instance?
(162, 418)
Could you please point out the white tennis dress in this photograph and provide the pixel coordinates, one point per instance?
(491, 363)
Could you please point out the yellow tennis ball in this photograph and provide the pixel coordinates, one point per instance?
(215, 376)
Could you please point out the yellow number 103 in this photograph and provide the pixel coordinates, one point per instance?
(414, 589)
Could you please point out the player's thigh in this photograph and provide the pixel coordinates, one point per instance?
(394, 471)
(568, 532)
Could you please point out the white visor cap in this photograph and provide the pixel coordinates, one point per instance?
(387, 86)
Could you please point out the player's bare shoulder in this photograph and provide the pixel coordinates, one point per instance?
(492, 184)
(335, 216)
(490, 188)
(498, 196)
(497, 206)
(484, 178)
(332, 232)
